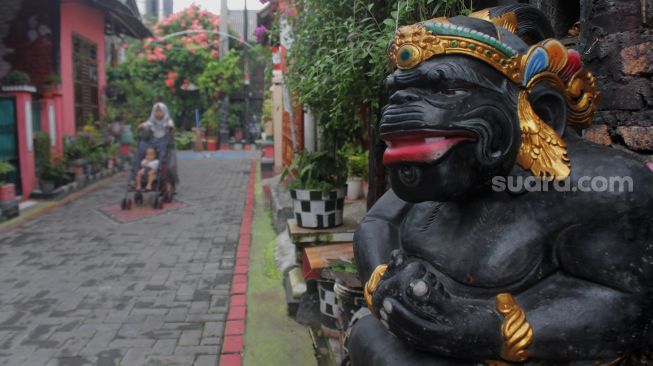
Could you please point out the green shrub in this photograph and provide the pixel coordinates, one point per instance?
(357, 165)
(42, 149)
(55, 172)
(184, 140)
(15, 77)
(76, 148)
(5, 168)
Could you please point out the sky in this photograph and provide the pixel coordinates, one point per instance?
(214, 5)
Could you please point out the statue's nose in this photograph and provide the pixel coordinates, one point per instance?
(403, 96)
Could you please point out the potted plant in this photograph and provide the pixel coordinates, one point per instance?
(348, 290)
(357, 169)
(76, 149)
(112, 152)
(210, 123)
(317, 186)
(7, 190)
(17, 81)
(48, 176)
(52, 85)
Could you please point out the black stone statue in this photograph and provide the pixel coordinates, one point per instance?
(464, 265)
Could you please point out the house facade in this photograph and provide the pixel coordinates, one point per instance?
(60, 45)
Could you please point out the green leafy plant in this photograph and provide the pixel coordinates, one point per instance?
(15, 77)
(210, 120)
(76, 148)
(343, 266)
(42, 148)
(53, 81)
(338, 60)
(320, 171)
(54, 172)
(5, 169)
(112, 150)
(357, 165)
(184, 140)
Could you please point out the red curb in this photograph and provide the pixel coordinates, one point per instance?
(234, 340)
(237, 312)
(239, 279)
(241, 262)
(233, 344)
(235, 327)
(239, 289)
(230, 360)
(238, 300)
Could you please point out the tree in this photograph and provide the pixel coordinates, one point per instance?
(162, 67)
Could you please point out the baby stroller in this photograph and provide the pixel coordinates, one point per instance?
(161, 188)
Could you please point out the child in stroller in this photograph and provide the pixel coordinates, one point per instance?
(149, 169)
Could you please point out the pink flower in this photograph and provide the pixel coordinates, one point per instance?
(215, 54)
(260, 32)
(169, 46)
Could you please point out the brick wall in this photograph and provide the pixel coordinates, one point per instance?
(616, 42)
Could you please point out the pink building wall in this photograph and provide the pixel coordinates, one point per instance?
(88, 23)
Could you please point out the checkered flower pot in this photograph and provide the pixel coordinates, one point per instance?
(317, 209)
(328, 306)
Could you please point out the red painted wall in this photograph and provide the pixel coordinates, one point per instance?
(87, 22)
(25, 149)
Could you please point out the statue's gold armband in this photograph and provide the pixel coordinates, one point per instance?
(517, 332)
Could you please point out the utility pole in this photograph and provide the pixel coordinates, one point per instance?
(224, 49)
(246, 75)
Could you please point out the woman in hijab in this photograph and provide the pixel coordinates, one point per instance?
(160, 125)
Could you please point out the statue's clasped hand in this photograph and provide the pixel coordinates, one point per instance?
(405, 291)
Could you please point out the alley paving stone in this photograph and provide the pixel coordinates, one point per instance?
(80, 288)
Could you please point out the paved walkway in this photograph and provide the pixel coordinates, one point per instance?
(78, 287)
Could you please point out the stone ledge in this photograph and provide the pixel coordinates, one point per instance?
(69, 188)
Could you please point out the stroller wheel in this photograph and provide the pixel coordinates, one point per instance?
(129, 204)
(138, 198)
(123, 204)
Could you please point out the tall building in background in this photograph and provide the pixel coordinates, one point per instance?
(156, 8)
(237, 22)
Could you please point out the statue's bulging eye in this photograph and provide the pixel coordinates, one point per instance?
(408, 56)
(450, 92)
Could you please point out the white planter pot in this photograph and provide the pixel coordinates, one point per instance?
(354, 188)
(316, 209)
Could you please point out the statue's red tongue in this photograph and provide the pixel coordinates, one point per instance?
(419, 150)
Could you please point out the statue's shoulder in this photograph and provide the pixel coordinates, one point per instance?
(625, 173)
(389, 207)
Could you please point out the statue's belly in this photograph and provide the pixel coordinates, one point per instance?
(484, 253)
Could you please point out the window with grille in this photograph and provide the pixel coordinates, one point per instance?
(85, 75)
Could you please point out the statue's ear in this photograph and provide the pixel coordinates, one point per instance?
(550, 106)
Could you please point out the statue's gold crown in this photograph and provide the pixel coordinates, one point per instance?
(543, 151)
(548, 60)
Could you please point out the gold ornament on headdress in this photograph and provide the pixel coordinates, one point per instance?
(543, 151)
